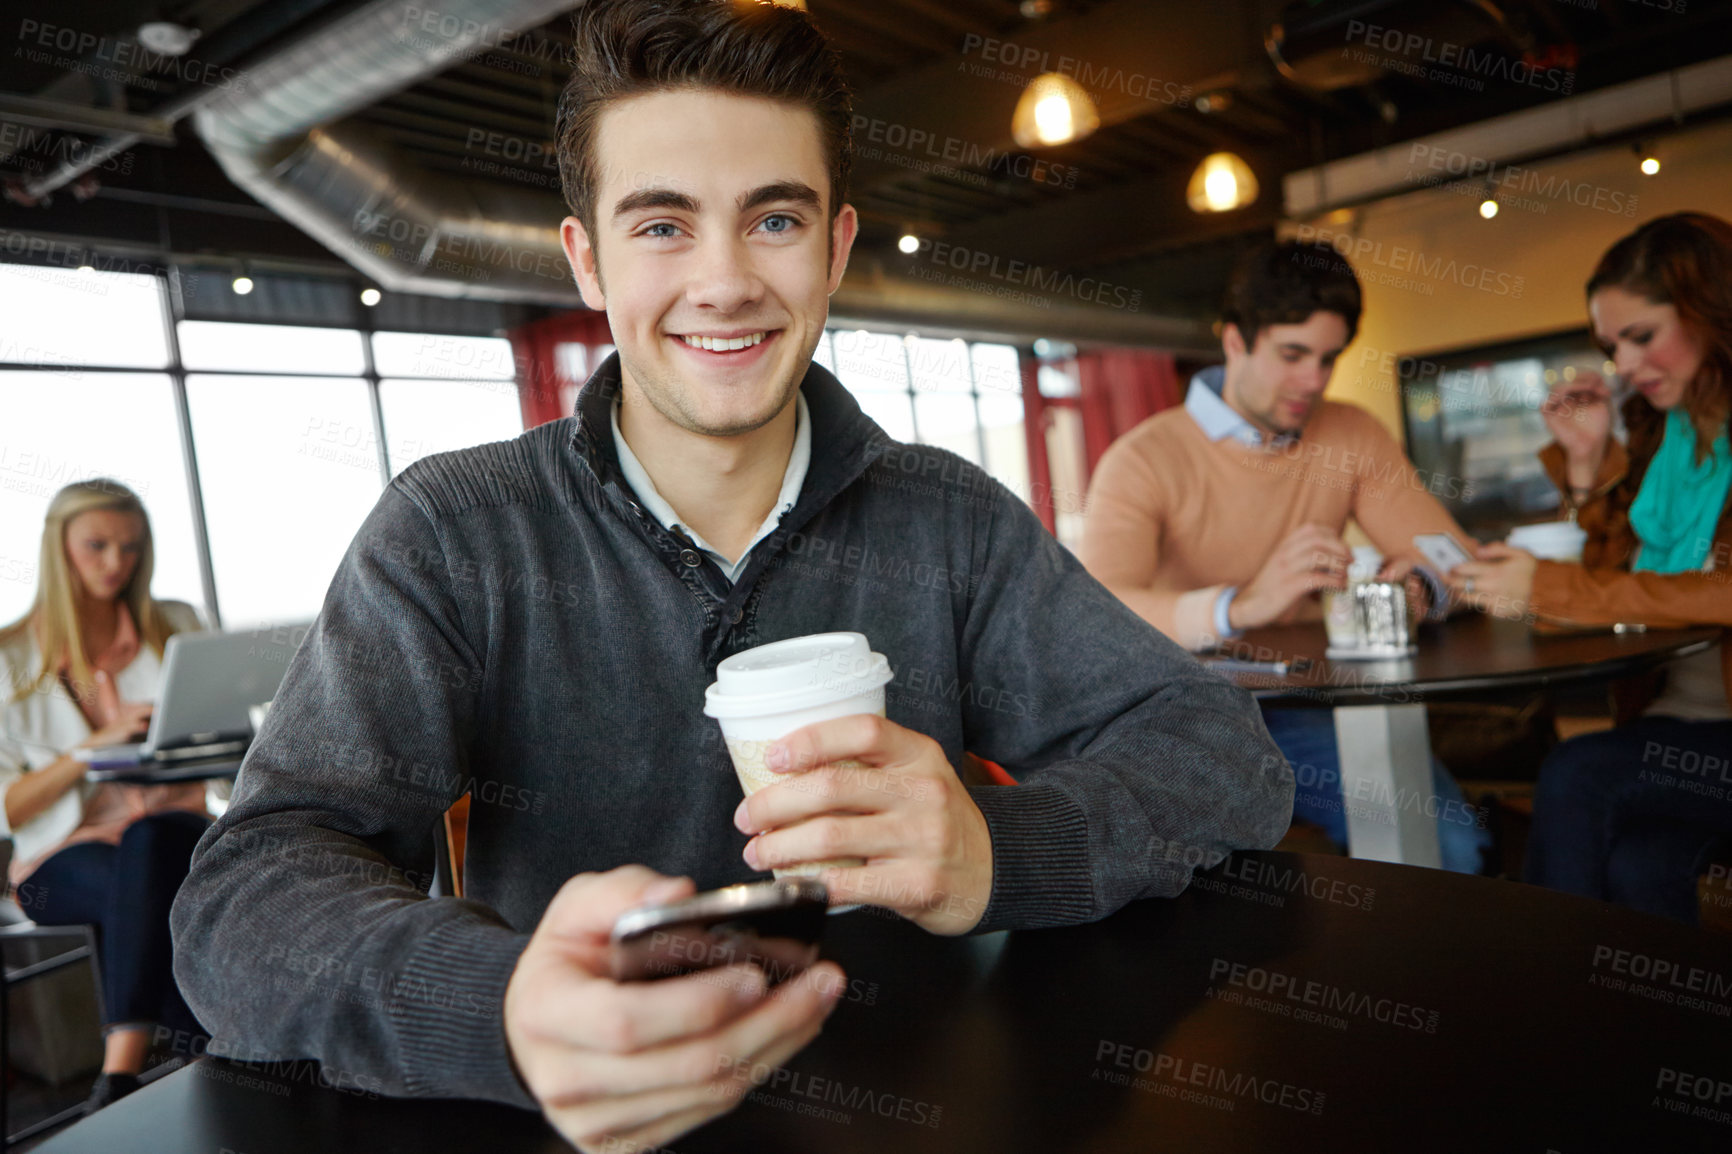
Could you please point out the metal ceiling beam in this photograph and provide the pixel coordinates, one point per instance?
(1549, 130)
(59, 114)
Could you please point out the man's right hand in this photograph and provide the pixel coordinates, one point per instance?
(1312, 557)
(625, 1066)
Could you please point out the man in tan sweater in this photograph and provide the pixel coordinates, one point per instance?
(1227, 513)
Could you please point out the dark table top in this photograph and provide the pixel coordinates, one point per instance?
(1286, 1002)
(1470, 653)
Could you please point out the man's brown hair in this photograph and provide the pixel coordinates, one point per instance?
(631, 47)
(1283, 284)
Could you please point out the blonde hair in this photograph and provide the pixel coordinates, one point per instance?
(53, 615)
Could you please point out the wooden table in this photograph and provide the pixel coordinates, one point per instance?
(1380, 723)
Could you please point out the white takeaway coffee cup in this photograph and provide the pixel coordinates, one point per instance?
(1550, 540)
(766, 693)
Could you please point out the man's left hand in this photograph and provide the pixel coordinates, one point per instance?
(926, 845)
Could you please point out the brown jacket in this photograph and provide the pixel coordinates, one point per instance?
(1602, 590)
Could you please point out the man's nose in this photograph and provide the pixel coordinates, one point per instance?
(723, 278)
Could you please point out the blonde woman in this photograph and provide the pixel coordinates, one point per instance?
(80, 670)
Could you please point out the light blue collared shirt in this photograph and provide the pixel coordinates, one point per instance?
(638, 478)
(1218, 419)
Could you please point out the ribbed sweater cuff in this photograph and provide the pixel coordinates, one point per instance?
(1040, 858)
(449, 1010)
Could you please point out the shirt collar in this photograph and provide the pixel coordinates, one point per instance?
(1218, 419)
(638, 479)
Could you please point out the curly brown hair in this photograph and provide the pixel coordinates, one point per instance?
(1685, 260)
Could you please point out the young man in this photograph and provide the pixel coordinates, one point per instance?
(1227, 514)
(538, 620)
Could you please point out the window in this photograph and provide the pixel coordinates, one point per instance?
(286, 426)
(959, 396)
(57, 316)
(290, 468)
(76, 424)
(430, 416)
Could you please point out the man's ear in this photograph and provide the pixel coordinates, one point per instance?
(843, 230)
(580, 253)
(1233, 342)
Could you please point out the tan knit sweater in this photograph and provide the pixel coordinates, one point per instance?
(1174, 518)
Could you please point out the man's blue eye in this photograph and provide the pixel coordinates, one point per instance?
(787, 221)
(651, 230)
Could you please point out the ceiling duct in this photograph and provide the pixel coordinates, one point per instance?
(283, 139)
(1484, 151)
(1349, 43)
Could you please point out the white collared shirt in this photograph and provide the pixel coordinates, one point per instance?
(1209, 408)
(638, 478)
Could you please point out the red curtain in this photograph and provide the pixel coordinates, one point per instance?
(545, 391)
(1121, 388)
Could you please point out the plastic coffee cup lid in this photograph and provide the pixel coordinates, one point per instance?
(798, 673)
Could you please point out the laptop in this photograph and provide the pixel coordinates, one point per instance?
(210, 681)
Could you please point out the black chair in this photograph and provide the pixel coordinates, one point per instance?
(80, 943)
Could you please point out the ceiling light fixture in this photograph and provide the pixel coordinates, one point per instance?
(1054, 109)
(909, 243)
(242, 285)
(1222, 183)
(370, 296)
(1488, 208)
(167, 39)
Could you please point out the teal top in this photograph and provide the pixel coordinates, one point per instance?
(1679, 503)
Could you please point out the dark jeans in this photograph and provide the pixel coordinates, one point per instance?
(1632, 815)
(126, 891)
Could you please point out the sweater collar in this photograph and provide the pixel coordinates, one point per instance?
(845, 441)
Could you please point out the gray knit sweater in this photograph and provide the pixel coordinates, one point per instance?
(509, 622)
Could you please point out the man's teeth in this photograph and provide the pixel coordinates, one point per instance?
(723, 344)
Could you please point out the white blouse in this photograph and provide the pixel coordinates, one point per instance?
(40, 726)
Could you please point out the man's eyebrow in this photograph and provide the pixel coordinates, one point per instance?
(797, 191)
(654, 198)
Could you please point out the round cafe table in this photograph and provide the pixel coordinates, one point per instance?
(1379, 705)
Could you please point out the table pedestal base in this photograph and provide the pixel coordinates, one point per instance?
(1386, 783)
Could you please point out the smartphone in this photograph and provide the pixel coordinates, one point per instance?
(775, 925)
(1442, 550)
